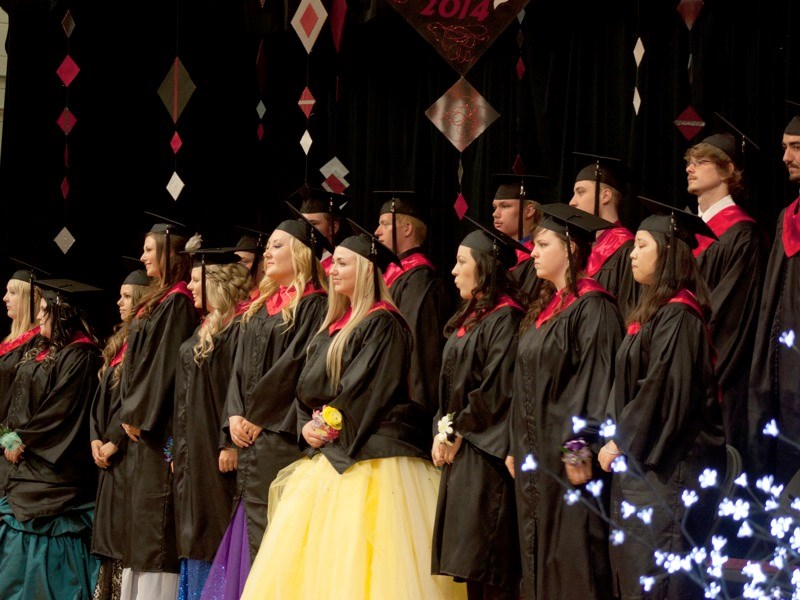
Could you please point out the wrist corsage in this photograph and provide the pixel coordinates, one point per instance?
(327, 422)
(575, 452)
(168, 450)
(9, 439)
(446, 433)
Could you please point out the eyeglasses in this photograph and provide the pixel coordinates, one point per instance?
(698, 162)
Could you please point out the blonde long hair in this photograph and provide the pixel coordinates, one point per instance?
(303, 264)
(226, 287)
(25, 320)
(363, 300)
(117, 339)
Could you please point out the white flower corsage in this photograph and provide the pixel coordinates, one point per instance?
(446, 434)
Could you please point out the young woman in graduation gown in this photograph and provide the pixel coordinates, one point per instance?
(164, 319)
(564, 370)
(203, 461)
(270, 353)
(355, 519)
(476, 496)
(665, 403)
(46, 514)
(108, 443)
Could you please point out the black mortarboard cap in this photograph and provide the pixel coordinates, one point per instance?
(674, 221)
(65, 291)
(793, 126)
(604, 169)
(136, 275)
(730, 140)
(317, 200)
(399, 202)
(254, 241)
(494, 243)
(28, 274)
(303, 230)
(202, 257)
(367, 245)
(511, 186)
(167, 227)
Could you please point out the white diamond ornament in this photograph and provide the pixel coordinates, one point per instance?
(637, 100)
(175, 186)
(261, 109)
(638, 51)
(306, 141)
(64, 240)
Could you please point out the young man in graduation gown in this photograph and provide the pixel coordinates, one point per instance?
(416, 289)
(733, 268)
(774, 390)
(514, 213)
(599, 189)
(324, 210)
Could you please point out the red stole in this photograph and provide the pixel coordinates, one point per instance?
(10, 345)
(326, 263)
(555, 306)
(284, 296)
(412, 261)
(78, 338)
(683, 296)
(719, 224)
(791, 229)
(502, 301)
(608, 242)
(334, 327)
(523, 256)
(118, 356)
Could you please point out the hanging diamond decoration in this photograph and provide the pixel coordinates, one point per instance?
(66, 121)
(308, 21)
(64, 188)
(175, 186)
(689, 69)
(261, 109)
(260, 131)
(638, 51)
(460, 170)
(176, 89)
(689, 10)
(461, 114)
(332, 183)
(689, 123)
(64, 240)
(637, 100)
(338, 14)
(175, 143)
(68, 23)
(461, 206)
(68, 70)
(335, 173)
(520, 68)
(306, 102)
(305, 142)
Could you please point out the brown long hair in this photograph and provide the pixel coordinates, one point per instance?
(180, 268)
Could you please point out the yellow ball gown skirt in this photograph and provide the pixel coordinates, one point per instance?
(365, 534)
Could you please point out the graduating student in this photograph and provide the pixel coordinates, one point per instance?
(733, 267)
(164, 318)
(250, 250)
(514, 211)
(564, 370)
(476, 496)
(47, 501)
(324, 210)
(270, 354)
(108, 443)
(356, 517)
(599, 189)
(774, 392)
(665, 404)
(204, 462)
(417, 290)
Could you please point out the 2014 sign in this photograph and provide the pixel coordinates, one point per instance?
(458, 9)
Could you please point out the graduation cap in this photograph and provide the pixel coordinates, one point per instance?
(166, 227)
(136, 276)
(203, 257)
(494, 243)
(304, 231)
(254, 241)
(28, 275)
(370, 247)
(399, 202)
(730, 140)
(511, 186)
(793, 126)
(316, 200)
(604, 169)
(676, 224)
(65, 291)
(572, 223)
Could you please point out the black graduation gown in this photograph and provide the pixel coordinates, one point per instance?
(616, 276)
(774, 389)
(203, 494)
(11, 353)
(525, 274)
(104, 425)
(147, 392)
(269, 358)
(49, 410)
(733, 268)
(379, 419)
(564, 368)
(476, 494)
(669, 427)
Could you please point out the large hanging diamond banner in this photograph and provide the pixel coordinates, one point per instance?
(462, 114)
(460, 30)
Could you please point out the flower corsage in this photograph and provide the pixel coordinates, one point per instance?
(327, 422)
(168, 450)
(575, 452)
(447, 434)
(9, 439)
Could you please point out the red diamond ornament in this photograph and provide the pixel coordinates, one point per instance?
(689, 11)
(65, 188)
(176, 143)
(307, 22)
(68, 70)
(520, 68)
(689, 123)
(306, 102)
(334, 184)
(461, 206)
(260, 132)
(338, 14)
(462, 114)
(460, 30)
(66, 121)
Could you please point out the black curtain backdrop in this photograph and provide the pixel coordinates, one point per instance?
(576, 95)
